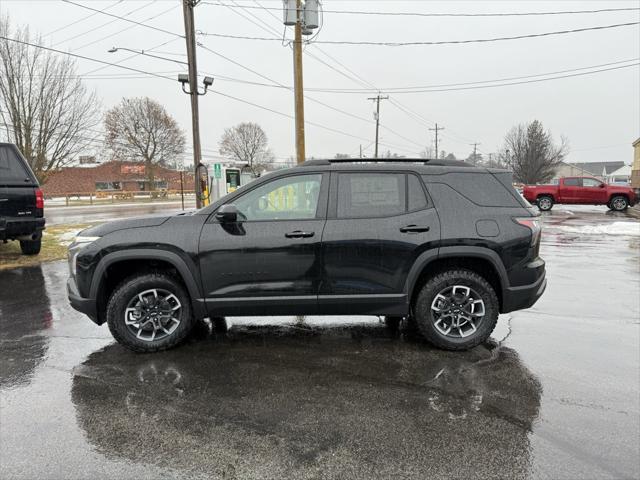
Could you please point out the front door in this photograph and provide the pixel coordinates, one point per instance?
(268, 262)
(378, 224)
(593, 191)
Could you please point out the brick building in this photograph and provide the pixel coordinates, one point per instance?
(112, 177)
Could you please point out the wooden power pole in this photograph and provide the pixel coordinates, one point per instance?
(189, 31)
(377, 99)
(298, 85)
(436, 130)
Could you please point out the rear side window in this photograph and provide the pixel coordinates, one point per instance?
(572, 182)
(12, 169)
(365, 195)
(416, 197)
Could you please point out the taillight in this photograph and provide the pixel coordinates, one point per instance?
(39, 199)
(533, 224)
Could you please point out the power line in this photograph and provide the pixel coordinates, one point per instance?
(86, 17)
(84, 57)
(97, 11)
(435, 14)
(438, 42)
(158, 29)
(126, 28)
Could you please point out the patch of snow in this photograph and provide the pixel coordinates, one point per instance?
(614, 228)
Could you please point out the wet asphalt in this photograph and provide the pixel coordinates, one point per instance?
(554, 394)
(58, 215)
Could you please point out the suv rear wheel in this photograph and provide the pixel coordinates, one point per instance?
(149, 312)
(456, 309)
(30, 247)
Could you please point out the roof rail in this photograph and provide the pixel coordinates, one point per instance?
(425, 161)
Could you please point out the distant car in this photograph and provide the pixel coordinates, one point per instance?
(21, 201)
(580, 191)
(444, 243)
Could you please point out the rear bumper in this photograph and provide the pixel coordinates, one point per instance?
(81, 304)
(519, 298)
(13, 227)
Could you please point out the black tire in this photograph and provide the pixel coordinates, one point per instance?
(127, 291)
(393, 322)
(425, 319)
(545, 203)
(619, 203)
(31, 247)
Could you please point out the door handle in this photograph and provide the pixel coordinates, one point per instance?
(299, 234)
(414, 228)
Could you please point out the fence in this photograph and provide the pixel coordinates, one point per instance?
(119, 196)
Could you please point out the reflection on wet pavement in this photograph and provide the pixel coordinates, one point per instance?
(287, 400)
(558, 397)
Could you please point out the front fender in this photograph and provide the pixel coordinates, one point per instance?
(152, 254)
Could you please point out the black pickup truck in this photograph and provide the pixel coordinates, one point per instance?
(21, 201)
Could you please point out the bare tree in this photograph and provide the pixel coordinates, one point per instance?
(45, 109)
(532, 154)
(140, 129)
(247, 143)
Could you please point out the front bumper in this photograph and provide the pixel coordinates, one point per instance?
(81, 304)
(519, 298)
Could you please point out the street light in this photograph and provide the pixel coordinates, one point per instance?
(142, 52)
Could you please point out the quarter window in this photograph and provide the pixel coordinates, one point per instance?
(288, 198)
(371, 195)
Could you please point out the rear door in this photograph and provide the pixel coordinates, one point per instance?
(17, 184)
(570, 190)
(377, 225)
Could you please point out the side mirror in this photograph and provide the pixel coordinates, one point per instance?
(602, 185)
(227, 214)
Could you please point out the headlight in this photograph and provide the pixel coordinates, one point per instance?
(74, 249)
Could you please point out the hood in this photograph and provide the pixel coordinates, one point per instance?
(110, 227)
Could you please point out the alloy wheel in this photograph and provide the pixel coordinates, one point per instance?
(457, 311)
(619, 203)
(153, 314)
(544, 203)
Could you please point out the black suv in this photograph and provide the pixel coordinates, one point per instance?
(447, 245)
(21, 201)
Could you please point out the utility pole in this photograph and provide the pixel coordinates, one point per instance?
(475, 150)
(298, 84)
(436, 130)
(377, 99)
(190, 36)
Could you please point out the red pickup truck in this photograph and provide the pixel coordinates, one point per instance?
(580, 190)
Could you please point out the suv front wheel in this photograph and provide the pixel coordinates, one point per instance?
(149, 312)
(456, 310)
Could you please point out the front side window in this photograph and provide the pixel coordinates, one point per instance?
(289, 198)
(590, 182)
(366, 195)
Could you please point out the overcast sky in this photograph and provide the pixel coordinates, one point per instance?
(598, 113)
